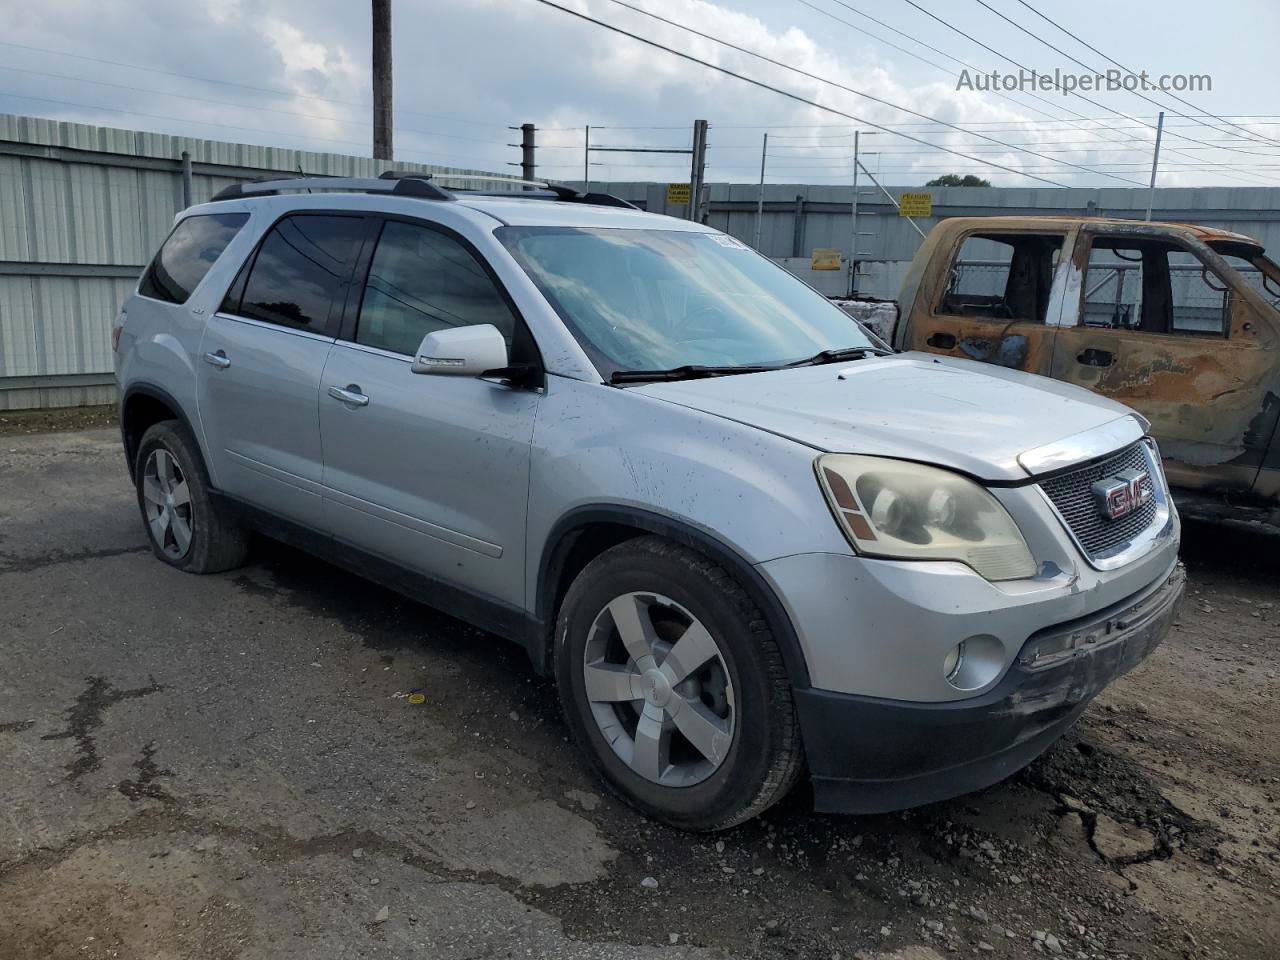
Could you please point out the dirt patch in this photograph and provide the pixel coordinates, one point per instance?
(57, 420)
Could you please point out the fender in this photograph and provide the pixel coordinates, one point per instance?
(559, 543)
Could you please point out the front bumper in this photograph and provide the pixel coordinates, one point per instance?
(871, 755)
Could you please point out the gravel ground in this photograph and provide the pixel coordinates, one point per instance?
(231, 767)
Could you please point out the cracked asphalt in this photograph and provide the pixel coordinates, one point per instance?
(232, 767)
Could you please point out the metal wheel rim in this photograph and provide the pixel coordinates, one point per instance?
(659, 689)
(167, 504)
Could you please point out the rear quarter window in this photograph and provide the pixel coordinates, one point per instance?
(186, 256)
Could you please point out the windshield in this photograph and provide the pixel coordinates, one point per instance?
(644, 300)
(1258, 271)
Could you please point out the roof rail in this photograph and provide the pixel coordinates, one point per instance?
(409, 183)
(559, 191)
(406, 186)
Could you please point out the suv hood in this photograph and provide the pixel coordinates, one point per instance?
(961, 414)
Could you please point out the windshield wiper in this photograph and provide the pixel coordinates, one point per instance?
(839, 355)
(690, 371)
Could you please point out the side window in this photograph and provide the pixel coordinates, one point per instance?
(1002, 276)
(1253, 276)
(1154, 286)
(188, 253)
(1201, 300)
(299, 271)
(420, 281)
(1113, 285)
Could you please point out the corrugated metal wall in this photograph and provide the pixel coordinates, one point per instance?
(82, 209)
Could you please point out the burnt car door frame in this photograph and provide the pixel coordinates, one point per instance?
(1210, 397)
(1018, 343)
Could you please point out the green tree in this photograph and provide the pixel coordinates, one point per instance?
(955, 180)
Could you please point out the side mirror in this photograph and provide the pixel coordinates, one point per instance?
(462, 351)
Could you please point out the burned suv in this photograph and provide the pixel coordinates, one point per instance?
(748, 540)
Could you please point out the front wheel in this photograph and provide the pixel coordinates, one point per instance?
(674, 685)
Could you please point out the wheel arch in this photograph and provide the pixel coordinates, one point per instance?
(142, 407)
(587, 531)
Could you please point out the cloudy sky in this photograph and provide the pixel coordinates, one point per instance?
(296, 73)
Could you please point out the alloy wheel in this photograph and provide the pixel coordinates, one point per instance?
(659, 689)
(167, 503)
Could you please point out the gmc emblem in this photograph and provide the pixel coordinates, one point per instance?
(1122, 494)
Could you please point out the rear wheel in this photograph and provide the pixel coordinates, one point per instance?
(186, 527)
(674, 685)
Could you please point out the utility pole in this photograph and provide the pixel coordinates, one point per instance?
(1155, 164)
(526, 151)
(764, 150)
(382, 146)
(853, 234)
(699, 170)
(586, 161)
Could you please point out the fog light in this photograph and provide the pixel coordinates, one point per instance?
(953, 662)
(974, 662)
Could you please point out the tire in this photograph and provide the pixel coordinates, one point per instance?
(186, 528)
(743, 752)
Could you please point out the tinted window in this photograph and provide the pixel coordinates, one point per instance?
(420, 281)
(188, 254)
(299, 271)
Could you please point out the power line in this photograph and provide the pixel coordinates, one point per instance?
(1112, 60)
(1009, 20)
(947, 70)
(972, 39)
(803, 73)
(963, 63)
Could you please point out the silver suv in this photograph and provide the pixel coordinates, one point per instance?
(745, 537)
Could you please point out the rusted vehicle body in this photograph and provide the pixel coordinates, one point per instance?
(1180, 322)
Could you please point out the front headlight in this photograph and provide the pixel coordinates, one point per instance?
(908, 511)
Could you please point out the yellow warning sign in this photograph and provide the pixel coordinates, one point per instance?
(678, 194)
(916, 205)
(824, 258)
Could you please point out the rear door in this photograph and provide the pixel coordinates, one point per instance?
(262, 357)
(1161, 328)
(431, 472)
(994, 300)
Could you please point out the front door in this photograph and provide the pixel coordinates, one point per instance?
(994, 301)
(261, 359)
(429, 471)
(1161, 329)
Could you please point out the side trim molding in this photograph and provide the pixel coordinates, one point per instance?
(481, 611)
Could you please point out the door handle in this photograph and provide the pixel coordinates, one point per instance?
(1093, 357)
(943, 341)
(351, 394)
(218, 359)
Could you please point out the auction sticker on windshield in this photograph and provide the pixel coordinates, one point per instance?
(727, 241)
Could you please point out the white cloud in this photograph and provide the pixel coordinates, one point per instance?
(465, 72)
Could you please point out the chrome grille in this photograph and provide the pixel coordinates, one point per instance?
(1072, 494)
